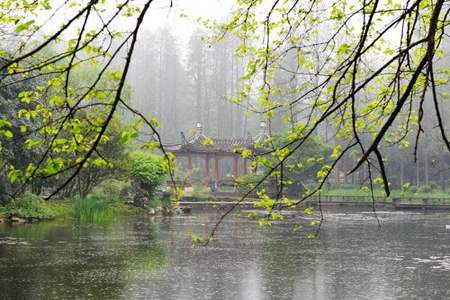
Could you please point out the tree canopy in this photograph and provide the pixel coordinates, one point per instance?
(367, 68)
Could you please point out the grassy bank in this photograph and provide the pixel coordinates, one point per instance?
(95, 210)
(85, 209)
(379, 193)
(30, 206)
(343, 194)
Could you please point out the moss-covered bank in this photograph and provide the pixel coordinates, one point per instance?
(32, 208)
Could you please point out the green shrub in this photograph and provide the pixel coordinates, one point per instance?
(92, 210)
(249, 178)
(424, 189)
(29, 206)
(147, 170)
(166, 200)
(160, 200)
(246, 182)
(412, 189)
(434, 185)
(2, 211)
(155, 202)
(2, 191)
(111, 190)
(406, 187)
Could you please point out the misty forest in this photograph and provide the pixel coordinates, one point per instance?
(211, 149)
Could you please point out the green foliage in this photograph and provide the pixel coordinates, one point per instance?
(424, 189)
(147, 170)
(112, 190)
(197, 239)
(3, 211)
(92, 210)
(60, 208)
(290, 73)
(155, 202)
(30, 206)
(413, 189)
(249, 181)
(55, 117)
(166, 200)
(406, 187)
(434, 185)
(108, 162)
(301, 168)
(163, 201)
(32, 121)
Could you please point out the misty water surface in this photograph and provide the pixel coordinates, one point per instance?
(144, 258)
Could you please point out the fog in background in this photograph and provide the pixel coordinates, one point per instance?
(180, 79)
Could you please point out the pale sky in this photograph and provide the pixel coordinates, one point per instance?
(160, 13)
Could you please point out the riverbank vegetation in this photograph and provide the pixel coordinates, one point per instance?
(38, 167)
(100, 191)
(33, 208)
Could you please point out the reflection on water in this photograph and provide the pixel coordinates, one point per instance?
(409, 257)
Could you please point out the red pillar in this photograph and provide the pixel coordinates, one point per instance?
(189, 162)
(216, 172)
(208, 177)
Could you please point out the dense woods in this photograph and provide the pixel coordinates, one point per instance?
(183, 86)
(207, 78)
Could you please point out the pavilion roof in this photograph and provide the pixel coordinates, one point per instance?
(201, 144)
(210, 145)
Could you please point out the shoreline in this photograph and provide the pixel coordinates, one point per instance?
(343, 202)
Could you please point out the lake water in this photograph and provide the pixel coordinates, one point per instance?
(153, 258)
